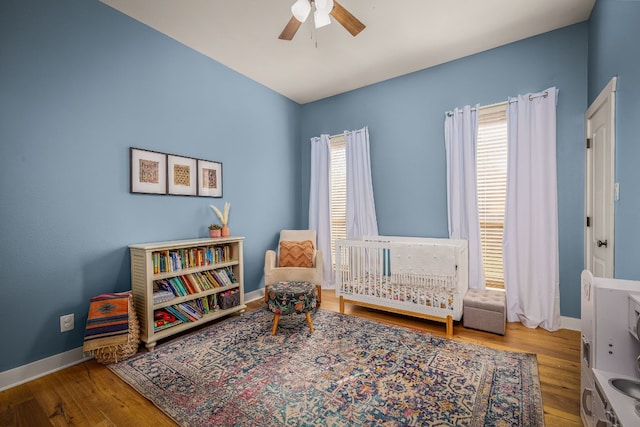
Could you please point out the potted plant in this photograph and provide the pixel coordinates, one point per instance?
(223, 217)
(215, 230)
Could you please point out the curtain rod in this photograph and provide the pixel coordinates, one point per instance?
(509, 101)
(334, 136)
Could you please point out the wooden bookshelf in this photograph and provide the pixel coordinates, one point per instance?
(152, 263)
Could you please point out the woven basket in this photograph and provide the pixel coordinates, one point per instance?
(230, 300)
(115, 353)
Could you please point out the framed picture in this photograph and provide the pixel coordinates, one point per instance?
(209, 178)
(148, 171)
(181, 175)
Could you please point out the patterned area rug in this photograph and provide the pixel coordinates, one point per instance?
(349, 372)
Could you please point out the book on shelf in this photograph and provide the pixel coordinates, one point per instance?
(201, 280)
(165, 325)
(222, 274)
(162, 296)
(212, 279)
(195, 305)
(178, 285)
(161, 285)
(163, 319)
(177, 313)
(189, 311)
(155, 259)
(212, 300)
(229, 272)
(164, 284)
(205, 302)
(211, 282)
(191, 286)
(168, 266)
(199, 305)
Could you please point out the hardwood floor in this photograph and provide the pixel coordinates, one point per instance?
(88, 394)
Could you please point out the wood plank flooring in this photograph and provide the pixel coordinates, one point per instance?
(88, 394)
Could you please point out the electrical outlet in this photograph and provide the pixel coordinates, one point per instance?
(66, 322)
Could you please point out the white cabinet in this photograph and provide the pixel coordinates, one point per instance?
(607, 345)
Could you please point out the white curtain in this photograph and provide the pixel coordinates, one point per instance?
(460, 134)
(530, 241)
(361, 210)
(319, 208)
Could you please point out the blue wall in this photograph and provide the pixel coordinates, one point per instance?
(405, 117)
(79, 84)
(614, 50)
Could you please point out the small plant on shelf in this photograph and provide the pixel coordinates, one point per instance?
(215, 230)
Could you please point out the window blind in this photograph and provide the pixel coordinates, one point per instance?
(338, 190)
(491, 165)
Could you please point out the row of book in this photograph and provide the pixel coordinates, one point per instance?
(188, 311)
(193, 283)
(167, 261)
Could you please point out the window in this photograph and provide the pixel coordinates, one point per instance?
(338, 191)
(491, 165)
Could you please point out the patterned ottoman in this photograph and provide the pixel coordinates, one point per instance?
(292, 297)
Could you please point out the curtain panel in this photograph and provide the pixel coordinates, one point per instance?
(460, 134)
(530, 240)
(361, 209)
(319, 196)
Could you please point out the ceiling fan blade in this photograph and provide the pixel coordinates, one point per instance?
(290, 29)
(348, 21)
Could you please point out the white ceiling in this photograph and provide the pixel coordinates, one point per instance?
(402, 36)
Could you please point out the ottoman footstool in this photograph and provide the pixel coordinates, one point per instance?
(291, 297)
(485, 310)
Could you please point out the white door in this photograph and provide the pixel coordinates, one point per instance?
(599, 195)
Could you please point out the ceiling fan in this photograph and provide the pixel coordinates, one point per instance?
(324, 8)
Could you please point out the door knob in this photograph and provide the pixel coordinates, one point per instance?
(601, 243)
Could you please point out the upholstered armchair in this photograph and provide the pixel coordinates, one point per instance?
(295, 260)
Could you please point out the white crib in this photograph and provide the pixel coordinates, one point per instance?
(421, 277)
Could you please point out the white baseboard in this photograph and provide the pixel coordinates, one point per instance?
(40, 368)
(570, 323)
(254, 295)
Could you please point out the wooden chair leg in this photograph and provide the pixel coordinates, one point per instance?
(319, 288)
(341, 304)
(309, 321)
(276, 317)
(266, 294)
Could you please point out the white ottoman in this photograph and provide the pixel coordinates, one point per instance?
(485, 309)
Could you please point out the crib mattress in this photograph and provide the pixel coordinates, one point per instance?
(438, 301)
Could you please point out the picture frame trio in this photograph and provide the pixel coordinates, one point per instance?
(153, 172)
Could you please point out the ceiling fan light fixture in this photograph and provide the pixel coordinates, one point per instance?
(321, 19)
(301, 10)
(324, 11)
(324, 6)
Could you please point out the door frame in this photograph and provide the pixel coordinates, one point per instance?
(607, 95)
